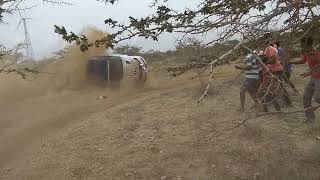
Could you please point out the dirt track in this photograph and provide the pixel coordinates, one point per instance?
(151, 134)
(26, 123)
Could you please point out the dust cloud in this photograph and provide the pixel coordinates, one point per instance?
(60, 75)
(71, 74)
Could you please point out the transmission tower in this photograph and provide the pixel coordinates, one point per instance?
(27, 42)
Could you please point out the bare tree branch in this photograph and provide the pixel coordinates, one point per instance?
(212, 67)
(230, 17)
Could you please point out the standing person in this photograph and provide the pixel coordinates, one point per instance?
(276, 68)
(251, 81)
(273, 62)
(287, 67)
(312, 89)
(267, 90)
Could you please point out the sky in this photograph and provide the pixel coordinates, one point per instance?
(75, 17)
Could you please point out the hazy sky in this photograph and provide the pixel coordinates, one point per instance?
(76, 17)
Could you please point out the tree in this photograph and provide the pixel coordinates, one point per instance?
(128, 50)
(9, 63)
(61, 53)
(246, 18)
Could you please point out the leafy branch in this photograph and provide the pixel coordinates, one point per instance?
(247, 18)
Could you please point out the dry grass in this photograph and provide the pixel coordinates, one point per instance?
(253, 131)
(150, 134)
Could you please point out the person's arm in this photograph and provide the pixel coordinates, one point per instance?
(238, 67)
(241, 67)
(248, 67)
(283, 55)
(314, 69)
(315, 56)
(301, 61)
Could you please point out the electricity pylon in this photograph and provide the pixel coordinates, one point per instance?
(27, 41)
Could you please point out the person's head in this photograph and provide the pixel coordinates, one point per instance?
(277, 43)
(269, 43)
(267, 39)
(245, 51)
(267, 36)
(306, 44)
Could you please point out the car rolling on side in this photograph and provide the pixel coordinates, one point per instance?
(116, 69)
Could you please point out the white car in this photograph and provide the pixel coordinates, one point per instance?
(116, 68)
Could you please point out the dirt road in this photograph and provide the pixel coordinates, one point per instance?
(26, 123)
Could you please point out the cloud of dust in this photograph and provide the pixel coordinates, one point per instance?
(72, 72)
(68, 73)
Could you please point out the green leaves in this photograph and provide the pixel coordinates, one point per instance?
(207, 9)
(108, 1)
(82, 40)
(247, 18)
(163, 10)
(65, 36)
(128, 50)
(261, 7)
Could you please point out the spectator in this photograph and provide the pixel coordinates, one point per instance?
(312, 89)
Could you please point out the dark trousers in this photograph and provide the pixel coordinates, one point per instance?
(269, 98)
(284, 93)
(311, 90)
(250, 85)
(286, 76)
